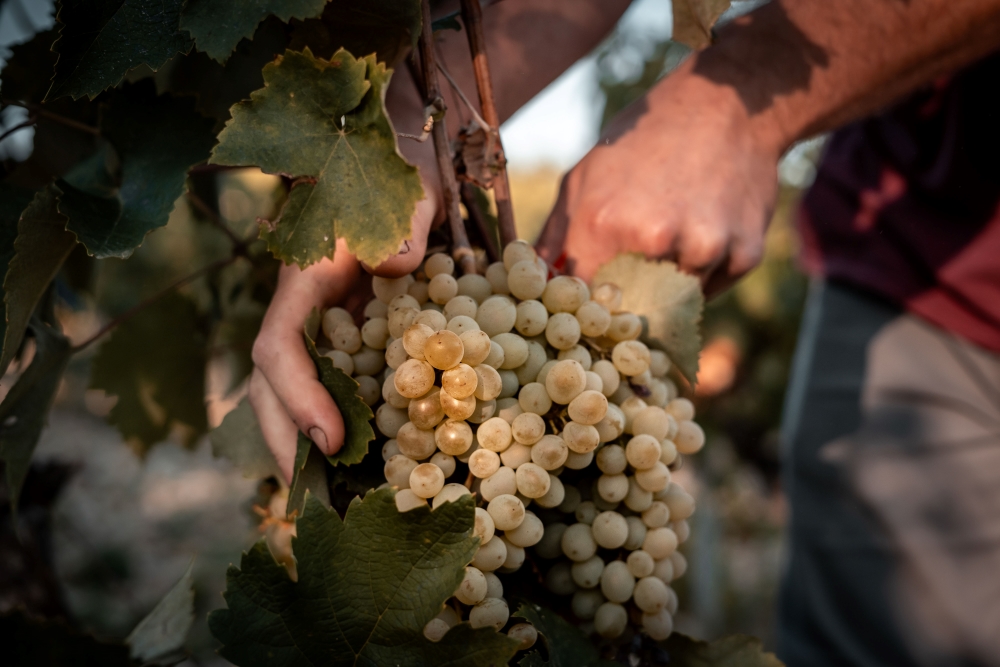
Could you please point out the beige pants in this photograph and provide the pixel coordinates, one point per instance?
(892, 466)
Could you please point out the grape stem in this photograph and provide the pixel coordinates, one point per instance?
(461, 250)
(472, 16)
(479, 220)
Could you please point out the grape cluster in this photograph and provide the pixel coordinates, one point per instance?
(506, 382)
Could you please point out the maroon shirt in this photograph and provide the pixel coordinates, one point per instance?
(905, 204)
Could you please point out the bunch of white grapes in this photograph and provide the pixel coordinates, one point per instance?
(494, 386)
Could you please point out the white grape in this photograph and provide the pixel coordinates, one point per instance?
(581, 438)
(526, 280)
(426, 480)
(610, 620)
(397, 470)
(414, 378)
(550, 452)
(484, 463)
(608, 374)
(594, 382)
(612, 488)
(418, 289)
(682, 529)
(490, 613)
(571, 500)
(442, 288)
(341, 360)
(550, 546)
(617, 583)
(534, 398)
(425, 412)
(668, 452)
(543, 372)
(650, 594)
(516, 455)
(368, 361)
(496, 315)
(681, 408)
(461, 324)
(613, 424)
(457, 408)
(435, 629)
(494, 434)
(490, 556)
(578, 543)
(509, 384)
(640, 564)
(443, 350)
(659, 625)
(576, 461)
(515, 350)
(660, 542)
(578, 352)
(368, 389)
(532, 480)
(690, 437)
(465, 306)
(432, 319)
(346, 338)
(565, 381)
(586, 512)
(476, 347)
(631, 357)
(608, 295)
(460, 381)
(449, 493)
(643, 452)
(565, 294)
(494, 587)
(496, 274)
(473, 586)
(453, 437)
(680, 502)
(390, 449)
(663, 569)
(562, 331)
(651, 421)
(587, 573)
(375, 333)
(400, 320)
(656, 515)
(407, 500)
(484, 527)
(638, 498)
(508, 409)
(555, 495)
(524, 633)
(391, 396)
(624, 326)
(679, 563)
(658, 393)
(631, 406)
(527, 428)
(589, 407)
(531, 318)
(482, 411)
(437, 263)
(414, 442)
(374, 308)
(518, 251)
(611, 460)
(636, 533)
(528, 371)
(528, 534)
(655, 478)
(594, 319)
(502, 482)
(395, 354)
(610, 530)
(333, 318)
(475, 286)
(389, 420)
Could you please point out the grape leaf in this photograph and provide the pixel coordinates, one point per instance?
(671, 301)
(387, 28)
(159, 637)
(101, 40)
(566, 644)
(26, 405)
(367, 586)
(217, 26)
(157, 139)
(13, 201)
(239, 439)
(308, 474)
(41, 247)
(20, 78)
(729, 651)
(324, 122)
(155, 364)
(54, 643)
(693, 21)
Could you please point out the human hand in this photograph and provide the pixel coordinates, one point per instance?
(684, 174)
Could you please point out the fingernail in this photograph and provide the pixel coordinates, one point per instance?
(316, 435)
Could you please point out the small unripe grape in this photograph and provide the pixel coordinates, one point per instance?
(431, 319)
(562, 331)
(476, 346)
(508, 409)
(465, 306)
(509, 384)
(550, 546)
(581, 438)
(638, 498)
(609, 376)
(484, 463)
(496, 274)
(565, 381)
(460, 381)
(442, 288)
(682, 530)
(527, 428)
(390, 449)
(655, 478)
(594, 319)
(395, 354)
(437, 263)
(640, 564)
(426, 480)
(490, 613)
(576, 461)
(534, 398)
(577, 543)
(447, 465)
(660, 543)
(680, 564)
(407, 500)
(473, 586)
(516, 455)
(414, 442)
(612, 488)
(555, 495)
(589, 407)
(658, 626)
(526, 280)
(333, 318)
(680, 502)
(496, 315)
(571, 500)
(457, 408)
(610, 530)
(435, 629)
(587, 574)
(528, 534)
(668, 452)
(375, 333)
(681, 409)
(528, 371)
(586, 512)
(613, 424)
(594, 382)
(611, 460)
(341, 360)
(549, 453)
(490, 556)
(585, 603)
(444, 350)
(636, 533)
(484, 527)
(507, 512)
(502, 482)
(453, 437)
(414, 378)
(397, 471)
(524, 633)
(650, 594)
(483, 411)
(610, 620)
(425, 412)
(515, 350)
(494, 587)
(389, 420)
(624, 326)
(617, 583)
(651, 421)
(532, 480)
(656, 515)
(643, 452)
(690, 437)
(461, 324)
(368, 389)
(531, 318)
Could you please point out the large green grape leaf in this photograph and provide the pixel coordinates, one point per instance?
(217, 26)
(729, 651)
(670, 300)
(308, 474)
(20, 80)
(101, 40)
(156, 140)
(387, 28)
(159, 637)
(366, 587)
(693, 21)
(41, 247)
(566, 644)
(324, 123)
(155, 364)
(239, 439)
(37, 642)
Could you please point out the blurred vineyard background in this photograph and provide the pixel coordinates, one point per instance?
(106, 529)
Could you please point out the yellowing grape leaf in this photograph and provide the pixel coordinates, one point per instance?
(693, 21)
(366, 587)
(323, 122)
(217, 26)
(670, 300)
(239, 439)
(565, 644)
(729, 651)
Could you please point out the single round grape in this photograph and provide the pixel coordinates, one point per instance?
(444, 350)
(638, 498)
(586, 512)
(550, 546)
(555, 495)
(507, 511)
(674, 427)
(656, 515)
(534, 398)
(612, 488)
(658, 626)
(636, 533)
(527, 428)
(437, 263)
(643, 452)
(389, 420)
(587, 573)
(341, 360)
(518, 251)
(578, 352)
(631, 357)
(681, 408)
(460, 305)
(571, 500)
(390, 449)
(407, 500)
(392, 396)
(585, 603)
(414, 442)
(663, 569)
(395, 354)
(660, 542)
(460, 381)
(603, 504)
(374, 308)
(496, 315)
(484, 527)
(640, 564)
(515, 350)
(531, 318)
(594, 319)
(549, 453)
(442, 288)
(495, 357)
(651, 421)
(524, 633)
(528, 371)
(476, 345)
(610, 530)
(589, 407)
(386, 289)
(631, 406)
(682, 529)
(475, 286)
(613, 424)
(368, 361)
(502, 482)
(375, 333)
(473, 586)
(430, 305)
(543, 372)
(617, 583)
(576, 461)
(426, 480)
(690, 437)
(610, 620)
(453, 437)
(447, 464)
(609, 376)
(516, 455)
(333, 318)
(532, 480)
(580, 438)
(624, 326)
(528, 534)
(414, 378)
(679, 501)
(526, 280)
(559, 579)
(400, 302)
(431, 319)
(565, 294)
(508, 384)
(658, 393)
(346, 338)
(608, 295)
(435, 629)
(680, 564)
(650, 594)
(461, 324)
(368, 389)
(490, 613)
(426, 412)
(484, 463)
(457, 408)
(577, 543)
(562, 331)
(418, 290)
(400, 320)
(490, 556)
(496, 275)
(397, 471)
(655, 478)
(659, 363)
(414, 339)
(594, 382)
(565, 381)
(611, 460)
(494, 434)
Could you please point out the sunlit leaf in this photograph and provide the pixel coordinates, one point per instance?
(217, 26)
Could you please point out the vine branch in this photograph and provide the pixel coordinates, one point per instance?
(42, 112)
(477, 218)
(472, 16)
(461, 249)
